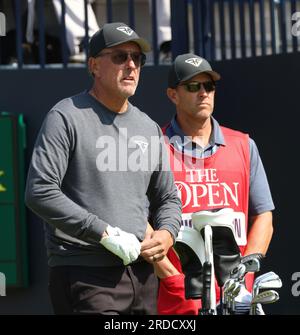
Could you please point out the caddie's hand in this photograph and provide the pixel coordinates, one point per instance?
(156, 245)
(124, 245)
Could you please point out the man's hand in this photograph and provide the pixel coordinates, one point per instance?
(156, 245)
(124, 245)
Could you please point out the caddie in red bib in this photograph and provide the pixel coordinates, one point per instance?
(214, 167)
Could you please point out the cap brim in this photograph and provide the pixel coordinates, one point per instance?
(143, 44)
(215, 75)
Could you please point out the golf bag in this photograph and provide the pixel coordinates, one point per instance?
(205, 255)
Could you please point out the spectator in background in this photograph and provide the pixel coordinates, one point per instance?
(30, 35)
(164, 32)
(75, 29)
(8, 52)
(74, 23)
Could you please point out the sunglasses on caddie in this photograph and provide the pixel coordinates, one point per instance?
(195, 86)
(119, 57)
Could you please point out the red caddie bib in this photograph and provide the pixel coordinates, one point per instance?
(218, 181)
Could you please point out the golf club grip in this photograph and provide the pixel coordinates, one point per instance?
(206, 303)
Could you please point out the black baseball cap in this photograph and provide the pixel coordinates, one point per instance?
(187, 66)
(113, 34)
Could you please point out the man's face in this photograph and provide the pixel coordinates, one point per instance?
(195, 105)
(116, 75)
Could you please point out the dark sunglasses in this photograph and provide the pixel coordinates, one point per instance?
(119, 57)
(195, 86)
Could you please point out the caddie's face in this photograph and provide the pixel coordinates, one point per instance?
(192, 100)
(116, 74)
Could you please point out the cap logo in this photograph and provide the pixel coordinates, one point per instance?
(194, 61)
(126, 30)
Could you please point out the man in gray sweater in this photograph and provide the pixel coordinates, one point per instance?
(99, 172)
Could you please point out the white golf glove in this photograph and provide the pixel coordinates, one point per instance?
(124, 245)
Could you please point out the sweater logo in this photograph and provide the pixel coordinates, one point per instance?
(143, 145)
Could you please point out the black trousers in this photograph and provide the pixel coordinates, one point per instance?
(104, 290)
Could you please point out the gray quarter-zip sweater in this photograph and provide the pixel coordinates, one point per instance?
(92, 167)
